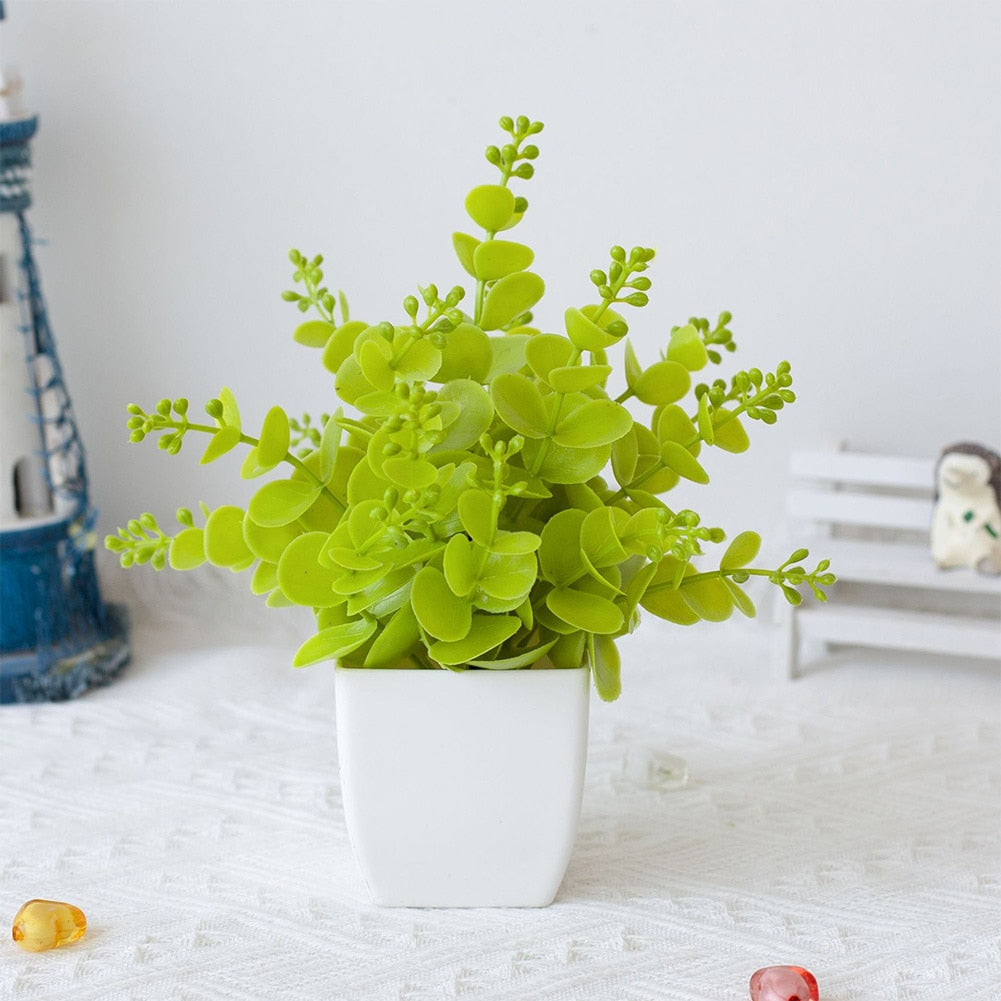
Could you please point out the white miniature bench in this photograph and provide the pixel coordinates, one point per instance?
(870, 515)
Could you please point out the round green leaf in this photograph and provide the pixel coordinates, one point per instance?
(705, 422)
(678, 458)
(224, 542)
(597, 422)
(567, 465)
(663, 382)
(490, 206)
(466, 355)
(582, 610)
(673, 424)
(662, 596)
(252, 465)
(348, 558)
(519, 404)
(350, 381)
(341, 344)
(363, 525)
(559, 552)
(301, 577)
(274, 440)
(330, 446)
(485, 633)
(568, 650)
(513, 221)
(335, 641)
(419, 363)
(577, 378)
(633, 368)
(378, 403)
(412, 473)
(476, 511)
(465, 245)
(438, 609)
(475, 416)
(599, 536)
(605, 667)
(741, 600)
(364, 483)
(187, 549)
(741, 551)
(670, 606)
(585, 333)
(373, 356)
(508, 578)
(268, 544)
(729, 432)
(653, 478)
(508, 354)
(280, 502)
(495, 259)
(625, 454)
(223, 441)
(686, 348)
(510, 297)
(708, 597)
(386, 596)
(325, 511)
(460, 564)
(544, 352)
(515, 543)
(313, 333)
(230, 411)
(526, 659)
(395, 639)
(265, 578)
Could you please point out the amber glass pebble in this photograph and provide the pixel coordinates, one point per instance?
(46, 924)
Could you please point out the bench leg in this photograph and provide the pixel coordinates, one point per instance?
(792, 644)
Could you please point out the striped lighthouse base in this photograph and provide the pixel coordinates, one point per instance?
(57, 638)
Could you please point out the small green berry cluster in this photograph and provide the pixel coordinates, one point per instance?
(791, 575)
(170, 417)
(511, 159)
(309, 273)
(758, 394)
(613, 285)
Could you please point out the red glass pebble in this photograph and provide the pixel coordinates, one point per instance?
(784, 983)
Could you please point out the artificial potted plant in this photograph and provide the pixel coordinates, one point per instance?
(474, 526)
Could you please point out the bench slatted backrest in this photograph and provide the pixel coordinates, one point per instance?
(850, 488)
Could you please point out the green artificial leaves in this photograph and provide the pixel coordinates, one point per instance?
(476, 498)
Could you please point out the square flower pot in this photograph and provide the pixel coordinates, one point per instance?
(462, 789)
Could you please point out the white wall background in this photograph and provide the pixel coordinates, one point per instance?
(828, 171)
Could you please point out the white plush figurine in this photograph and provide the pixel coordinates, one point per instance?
(966, 521)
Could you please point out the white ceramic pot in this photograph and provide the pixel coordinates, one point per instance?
(462, 789)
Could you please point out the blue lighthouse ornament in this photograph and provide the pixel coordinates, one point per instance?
(57, 637)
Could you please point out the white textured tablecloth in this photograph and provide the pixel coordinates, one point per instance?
(848, 822)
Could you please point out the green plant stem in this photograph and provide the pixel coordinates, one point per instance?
(246, 439)
(737, 572)
(481, 285)
(535, 466)
(615, 287)
(497, 500)
(707, 574)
